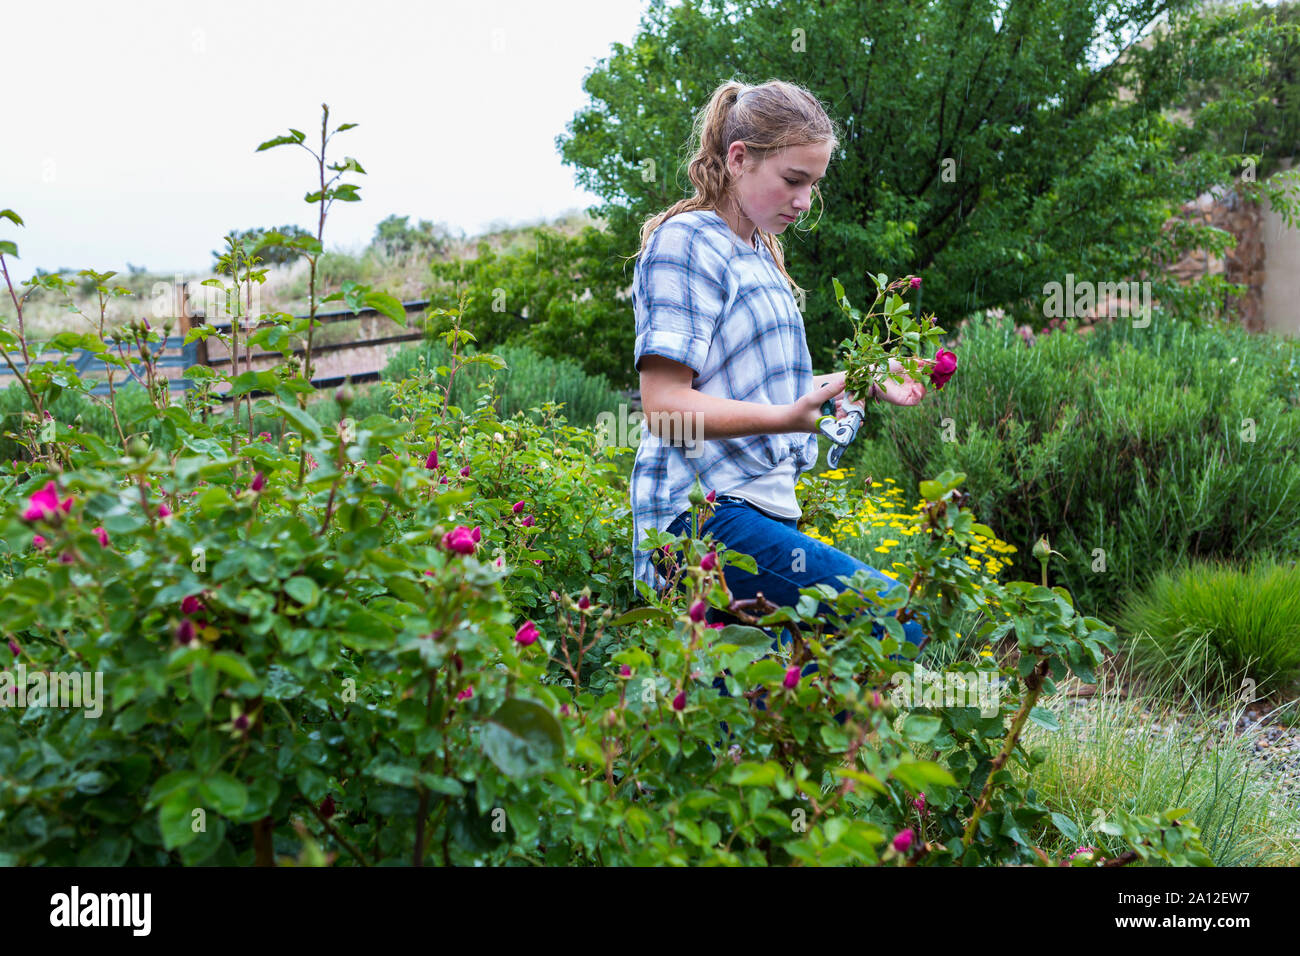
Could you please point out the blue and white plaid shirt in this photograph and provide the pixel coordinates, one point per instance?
(701, 297)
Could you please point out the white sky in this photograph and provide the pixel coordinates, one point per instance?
(132, 136)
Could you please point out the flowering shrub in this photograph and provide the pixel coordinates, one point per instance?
(409, 639)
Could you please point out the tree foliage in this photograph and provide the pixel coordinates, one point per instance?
(991, 147)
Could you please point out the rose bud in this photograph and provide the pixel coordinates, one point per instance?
(679, 702)
(527, 634)
(904, 840)
(517, 507)
(791, 679)
(698, 610)
(327, 807)
(185, 632)
(432, 461)
(709, 561)
(584, 602)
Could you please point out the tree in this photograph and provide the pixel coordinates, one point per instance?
(563, 296)
(396, 237)
(990, 147)
(1265, 119)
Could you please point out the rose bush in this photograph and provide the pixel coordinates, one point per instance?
(411, 639)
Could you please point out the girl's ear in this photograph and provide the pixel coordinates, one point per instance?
(738, 154)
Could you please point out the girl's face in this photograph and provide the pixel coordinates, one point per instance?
(779, 189)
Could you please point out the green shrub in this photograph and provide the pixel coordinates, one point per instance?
(529, 380)
(75, 409)
(1133, 449)
(1210, 626)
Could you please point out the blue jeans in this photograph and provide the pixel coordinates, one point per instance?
(775, 544)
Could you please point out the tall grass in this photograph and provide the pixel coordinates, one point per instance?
(1209, 625)
(1109, 754)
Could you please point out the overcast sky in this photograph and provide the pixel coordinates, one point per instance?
(133, 125)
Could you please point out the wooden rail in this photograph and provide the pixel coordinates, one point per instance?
(360, 360)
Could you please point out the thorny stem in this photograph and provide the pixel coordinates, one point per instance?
(1033, 687)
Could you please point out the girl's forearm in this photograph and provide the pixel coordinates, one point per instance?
(688, 415)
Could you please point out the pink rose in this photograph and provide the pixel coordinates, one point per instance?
(625, 671)
(466, 694)
(191, 604)
(709, 561)
(679, 702)
(527, 634)
(464, 472)
(38, 541)
(517, 507)
(460, 539)
(528, 521)
(916, 282)
(432, 461)
(259, 482)
(45, 503)
(163, 510)
(102, 535)
(904, 840)
(698, 610)
(945, 363)
(791, 679)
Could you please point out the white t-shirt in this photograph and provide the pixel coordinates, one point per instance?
(773, 492)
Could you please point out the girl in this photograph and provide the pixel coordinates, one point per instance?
(727, 385)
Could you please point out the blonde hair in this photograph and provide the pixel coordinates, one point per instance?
(766, 118)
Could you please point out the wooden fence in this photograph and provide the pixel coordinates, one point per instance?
(336, 356)
(360, 356)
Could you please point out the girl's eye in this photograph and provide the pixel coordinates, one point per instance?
(792, 182)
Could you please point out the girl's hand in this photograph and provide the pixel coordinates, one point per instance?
(906, 392)
(804, 413)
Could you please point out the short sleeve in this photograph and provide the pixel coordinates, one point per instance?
(679, 295)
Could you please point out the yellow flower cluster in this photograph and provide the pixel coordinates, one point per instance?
(889, 510)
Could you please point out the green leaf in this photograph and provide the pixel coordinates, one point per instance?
(522, 738)
(304, 422)
(176, 819)
(224, 793)
(233, 664)
(1068, 828)
(396, 774)
(303, 590)
(387, 305)
(921, 728)
(917, 775)
(641, 614)
(1044, 718)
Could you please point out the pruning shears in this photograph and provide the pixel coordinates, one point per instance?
(841, 431)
